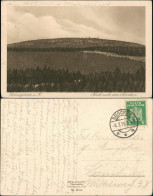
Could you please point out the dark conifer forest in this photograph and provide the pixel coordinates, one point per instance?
(46, 79)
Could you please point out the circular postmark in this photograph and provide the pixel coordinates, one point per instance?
(123, 123)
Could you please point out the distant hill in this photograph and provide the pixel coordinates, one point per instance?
(80, 44)
(86, 55)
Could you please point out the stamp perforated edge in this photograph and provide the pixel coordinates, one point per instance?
(146, 109)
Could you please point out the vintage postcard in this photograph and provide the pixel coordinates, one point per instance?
(76, 49)
(76, 147)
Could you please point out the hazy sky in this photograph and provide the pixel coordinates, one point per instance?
(117, 23)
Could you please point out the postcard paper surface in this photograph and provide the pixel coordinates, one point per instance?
(76, 49)
(76, 147)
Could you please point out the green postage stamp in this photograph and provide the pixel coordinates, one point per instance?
(139, 109)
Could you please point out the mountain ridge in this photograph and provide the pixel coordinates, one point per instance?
(91, 41)
(84, 54)
(80, 44)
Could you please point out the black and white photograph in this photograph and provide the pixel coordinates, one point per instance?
(76, 49)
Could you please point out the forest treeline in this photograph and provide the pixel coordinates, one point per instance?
(51, 80)
(132, 51)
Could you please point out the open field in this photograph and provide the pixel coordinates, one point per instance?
(73, 61)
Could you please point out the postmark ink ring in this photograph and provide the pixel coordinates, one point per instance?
(123, 123)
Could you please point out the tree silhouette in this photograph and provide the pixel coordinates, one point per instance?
(52, 80)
